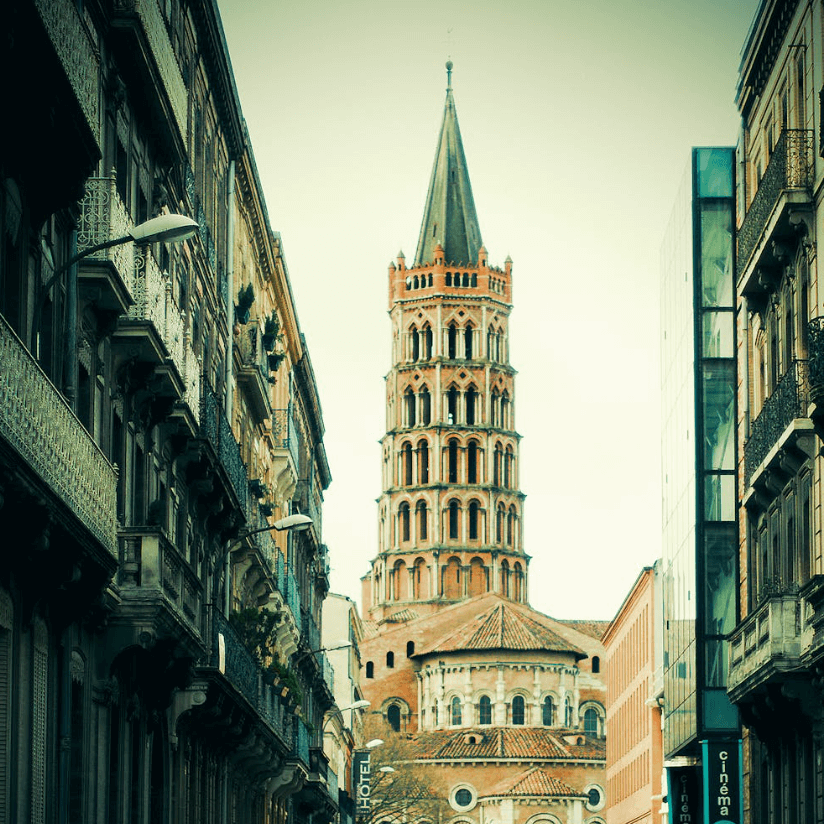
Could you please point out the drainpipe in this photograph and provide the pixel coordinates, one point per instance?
(230, 288)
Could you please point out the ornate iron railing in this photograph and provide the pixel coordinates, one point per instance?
(285, 434)
(103, 216)
(78, 56)
(791, 167)
(815, 362)
(38, 423)
(157, 37)
(233, 659)
(216, 429)
(788, 401)
(301, 743)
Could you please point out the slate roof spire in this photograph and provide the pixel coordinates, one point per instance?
(449, 212)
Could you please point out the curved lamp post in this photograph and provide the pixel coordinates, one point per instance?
(165, 228)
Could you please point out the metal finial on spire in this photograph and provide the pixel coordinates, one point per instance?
(449, 74)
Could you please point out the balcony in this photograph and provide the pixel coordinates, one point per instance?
(152, 58)
(78, 56)
(109, 275)
(159, 586)
(782, 433)
(787, 182)
(253, 374)
(284, 437)
(42, 430)
(782, 635)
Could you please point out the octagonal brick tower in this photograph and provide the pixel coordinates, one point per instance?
(450, 511)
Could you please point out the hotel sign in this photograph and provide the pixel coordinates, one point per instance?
(722, 772)
(361, 782)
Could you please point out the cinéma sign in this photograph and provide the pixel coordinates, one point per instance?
(683, 795)
(722, 769)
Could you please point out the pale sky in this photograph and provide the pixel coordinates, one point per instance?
(577, 121)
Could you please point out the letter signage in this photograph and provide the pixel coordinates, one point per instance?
(361, 782)
(722, 768)
(683, 795)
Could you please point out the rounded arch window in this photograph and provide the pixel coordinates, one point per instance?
(407, 462)
(370, 669)
(591, 722)
(455, 711)
(473, 520)
(485, 710)
(394, 717)
(517, 710)
(548, 712)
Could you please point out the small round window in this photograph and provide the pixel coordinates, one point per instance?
(595, 797)
(463, 798)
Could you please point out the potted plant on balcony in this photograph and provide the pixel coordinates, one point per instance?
(246, 297)
(274, 359)
(272, 332)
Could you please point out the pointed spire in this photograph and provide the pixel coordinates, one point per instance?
(449, 212)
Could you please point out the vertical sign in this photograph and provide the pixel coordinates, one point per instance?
(361, 781)
(722, 767)
(683, 801)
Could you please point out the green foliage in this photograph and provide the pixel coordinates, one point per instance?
(287, 677)
(257, 628)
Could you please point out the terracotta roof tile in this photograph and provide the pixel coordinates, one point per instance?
(503, 627)
(534, 782)
(526, 743)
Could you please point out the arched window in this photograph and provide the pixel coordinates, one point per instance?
(394, 717)
(473, 521)
(505, 411)
(491, 343)
(452, 340)
(478, 577)
(423, 462)
(421, 519)
(497, 460)
(400, 581)
(472, 462)
(424, 394)
(390, 659)
(448, 279)
(409, 406)
(517, 710)
(455, 711)
(452, 461)
(415, 353)
(453, 518)
(494, 404)
(591, 722)
(427, 333)
(452, 579)
(404, 521)
(465, 281)
(468, 342)
(452, 405)
(548, 712)
(511, 526)
(505, 579)
(407, 462)
(568, 713)
(596, 664)
(470, 405)
(420, 581)
(509, 466)
(500, 523)
(518, 581)
(370, 669)
(485, 710)
(410, 649)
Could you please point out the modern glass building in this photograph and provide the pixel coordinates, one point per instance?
(698, 372)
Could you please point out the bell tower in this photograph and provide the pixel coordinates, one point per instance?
(450, 511)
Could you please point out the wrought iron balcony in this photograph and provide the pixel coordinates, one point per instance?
(151, 563)
(144, 19)
(815, 363)
(216, 430)
(788, 401)
(78, 57)
(791, 168)
(253, 375)
(103, 216)
(41, 428)
(285, 434)
(782, 634)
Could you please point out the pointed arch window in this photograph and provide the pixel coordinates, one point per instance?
(452, 341)
(518, 581)
(453, 519)
(425, 405)
(452, 461)
(452, 405)
(421, 519)
(407, 462)
(485, 710)
(472, 462)
(506, 465)
(470, 404)
(427, 334)
(517, 710)
(491, 343)
(416, 345)
(409, 406)
(423, 462)
(494, 408)
(468, 342)
(548, 712)
(455, 711)
(504, 417)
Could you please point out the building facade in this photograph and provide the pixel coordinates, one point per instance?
(158, 414)
(489, 708)
(699, 543)
(775, 655)
(635, 693)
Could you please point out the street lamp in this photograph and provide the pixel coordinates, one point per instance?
(357, 705)
(165, 228)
